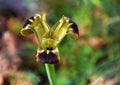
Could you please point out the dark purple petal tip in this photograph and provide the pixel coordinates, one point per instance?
(74, 26)
(28, 21)
(50, 58)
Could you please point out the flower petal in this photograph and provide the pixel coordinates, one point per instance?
(61, 29)
(26, 30)
(50, 57)
(74, 26)
(29, 21)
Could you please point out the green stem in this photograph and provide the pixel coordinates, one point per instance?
(50, 69)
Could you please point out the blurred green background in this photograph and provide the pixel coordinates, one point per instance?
(95, 55)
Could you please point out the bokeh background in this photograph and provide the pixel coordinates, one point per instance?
(93, 58)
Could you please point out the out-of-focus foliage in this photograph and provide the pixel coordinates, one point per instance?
(96, 53)
(98, 50)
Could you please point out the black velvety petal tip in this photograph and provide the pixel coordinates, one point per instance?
(50, 58)
(26, 27)
(74, 26)
(28, 21)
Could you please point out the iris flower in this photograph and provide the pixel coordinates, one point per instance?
(48, 37)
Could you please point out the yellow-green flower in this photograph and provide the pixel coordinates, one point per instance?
(49, 37)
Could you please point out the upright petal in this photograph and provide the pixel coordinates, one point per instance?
(61, 29)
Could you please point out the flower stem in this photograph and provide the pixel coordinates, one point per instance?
(50, 69)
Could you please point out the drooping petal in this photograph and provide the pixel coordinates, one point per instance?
(50, 57)
(26, 30)
(73, 31)
(36, 24)
(74, 26)
(29, 21)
